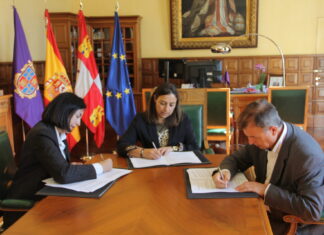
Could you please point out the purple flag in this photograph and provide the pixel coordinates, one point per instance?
(226, 78)
(28, 100)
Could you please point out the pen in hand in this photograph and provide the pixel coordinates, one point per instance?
(155, 146)
(222, 176)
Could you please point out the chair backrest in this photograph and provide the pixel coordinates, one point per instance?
(146, 95)
(7, 164)
(218, 108)
(195, 114)
(291, 103)
(192, 96)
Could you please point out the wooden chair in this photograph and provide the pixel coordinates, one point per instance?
(295, 220)
(291, 103)
(218, 116)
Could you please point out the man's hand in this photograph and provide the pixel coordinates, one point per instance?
(252, 187)
(222, 182)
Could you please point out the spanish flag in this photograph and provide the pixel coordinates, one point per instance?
(56, 80)
(88, 85)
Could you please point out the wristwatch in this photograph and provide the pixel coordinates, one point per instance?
(175, 148)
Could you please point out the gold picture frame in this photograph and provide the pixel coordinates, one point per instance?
(196, 25)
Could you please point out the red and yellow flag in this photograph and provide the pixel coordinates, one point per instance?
(88, 85)
(56, 80)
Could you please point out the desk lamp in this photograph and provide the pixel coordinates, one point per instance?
(225, 48)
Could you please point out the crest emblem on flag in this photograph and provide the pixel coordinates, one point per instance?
(25, 82)
(85, 47)
(57, 84)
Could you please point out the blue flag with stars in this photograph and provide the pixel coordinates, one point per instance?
(120, 105)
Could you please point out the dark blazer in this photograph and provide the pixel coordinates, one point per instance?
(297, 181)
(140, 130)
(41, 158)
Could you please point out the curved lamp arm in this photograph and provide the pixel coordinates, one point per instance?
(225, 48)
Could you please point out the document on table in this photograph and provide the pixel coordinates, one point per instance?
(201, 181)
(90, 185)
(172, 158)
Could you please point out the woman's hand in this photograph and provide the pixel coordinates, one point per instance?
(152, 153)
(165, 150)
(107, 164)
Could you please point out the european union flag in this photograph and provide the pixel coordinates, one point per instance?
(120, 106)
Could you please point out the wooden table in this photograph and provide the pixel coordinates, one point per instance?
(147, 201)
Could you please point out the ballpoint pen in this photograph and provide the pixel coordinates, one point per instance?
(154, 146)
(222, 176)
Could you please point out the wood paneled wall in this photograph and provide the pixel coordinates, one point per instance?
(299, 71)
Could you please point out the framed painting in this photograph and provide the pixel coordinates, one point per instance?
(275, 80)
(199, 24)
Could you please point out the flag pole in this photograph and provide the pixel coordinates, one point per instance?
(117, 6)
(86, 157)
(23, 130)
(87, 142)
(81, 5)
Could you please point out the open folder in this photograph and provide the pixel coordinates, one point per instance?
(94, 188)
(199, 184)
(172, 159)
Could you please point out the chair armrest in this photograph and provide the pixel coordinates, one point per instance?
(296, 219)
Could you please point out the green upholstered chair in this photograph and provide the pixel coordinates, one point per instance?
(291, 103)
(193, 102)
(195, 114)
(218, 116)
(295, 220)
(7, 172)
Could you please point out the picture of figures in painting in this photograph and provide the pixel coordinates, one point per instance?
(213, 18)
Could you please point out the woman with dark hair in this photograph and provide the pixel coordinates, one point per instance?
(45, 154)
(161, 129)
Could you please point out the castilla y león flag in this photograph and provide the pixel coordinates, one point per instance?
(88, 85)
(56, 80)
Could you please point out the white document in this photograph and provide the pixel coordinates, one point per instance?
(90, 185)
(201, 181)
(171, 159)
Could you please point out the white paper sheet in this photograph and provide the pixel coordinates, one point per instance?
(90, 185)
(170, 159)
(201, 181)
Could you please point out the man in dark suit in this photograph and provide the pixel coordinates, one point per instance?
(288, 163)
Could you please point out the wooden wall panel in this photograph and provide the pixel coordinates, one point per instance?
(291, 64)
(246, 65)
(291, 79)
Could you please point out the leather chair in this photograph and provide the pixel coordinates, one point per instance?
(295, 220)
(218, 116)
(193, 102)
(291, 103)
(7, 172)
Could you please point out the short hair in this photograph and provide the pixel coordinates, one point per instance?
(261, 113)
(177, 115)
(61, 109)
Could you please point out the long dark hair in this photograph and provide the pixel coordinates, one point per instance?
(60, 110)
(164, 89)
